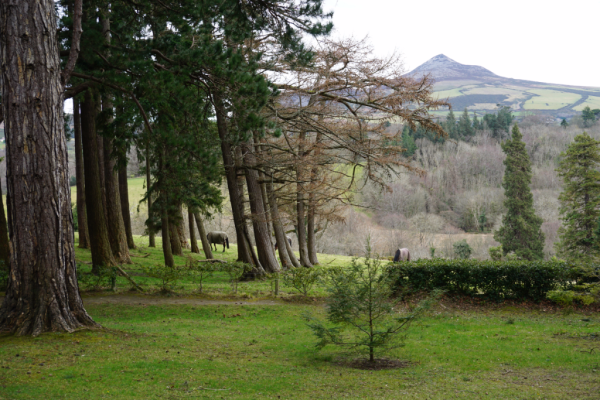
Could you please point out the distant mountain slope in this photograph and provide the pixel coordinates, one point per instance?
(480, 90)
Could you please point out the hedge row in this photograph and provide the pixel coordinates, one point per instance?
(499, 279)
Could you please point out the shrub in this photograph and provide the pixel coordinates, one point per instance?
(168, 276)
(106, 278)
(498, 279)
(302, 279)
(200, 271)
(496, 253)
(462, 249)
(235, 271)
(362, 311)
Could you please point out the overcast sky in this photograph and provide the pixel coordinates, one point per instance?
(544, 41)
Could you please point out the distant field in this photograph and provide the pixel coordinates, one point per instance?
(550, 99)
(448, 93)
(592, 102)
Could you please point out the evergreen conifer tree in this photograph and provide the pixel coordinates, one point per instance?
(408, 142)
(465, 128)
(580, 200)
(520, 232)
(564, 123)
(477, 126)
(451, 125)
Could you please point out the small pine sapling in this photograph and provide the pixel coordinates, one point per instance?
(302, 279)
(363, 313)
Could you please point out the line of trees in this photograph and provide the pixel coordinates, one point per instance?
(202, 91)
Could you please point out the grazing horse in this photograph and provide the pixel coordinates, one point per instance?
(218, 238)
(288, 238)
(402, 255)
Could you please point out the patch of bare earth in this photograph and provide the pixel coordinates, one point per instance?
(375, 365)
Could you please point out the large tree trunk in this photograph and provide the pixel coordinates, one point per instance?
(98, 229)
(181, 228)
(193, 241)
(124, 196)
(237, 207)
(259, 216)
(174, 238)
(205, 245)
(164, 218)
(42, 293)
(116, 226)
(151, 240)
(84, 238)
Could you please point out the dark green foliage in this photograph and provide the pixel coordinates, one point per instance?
(200, 271)
(521, 227)
(73, 181)
(462, 249)
(75, 221)
(408, 142)
(497, 279)
(499, 123)
(362, 311)
(235, 271)
(168, 276)
(465, 128)
(564, 123)
(495, 253)
(450, 125)
(580, 200)
(588, 116)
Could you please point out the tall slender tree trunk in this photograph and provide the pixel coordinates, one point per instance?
(164, 218)
(280, 238)
(259, 214)
(205, 245)
(193, 241)
(237, 206)
(300, 223)
(42, 293)
(181, 228)
(151, 240)
(84, 238)
(116, 226)
(124, 197)
(99, 242)
(311, 238)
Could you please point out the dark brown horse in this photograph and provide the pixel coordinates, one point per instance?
(402, 255)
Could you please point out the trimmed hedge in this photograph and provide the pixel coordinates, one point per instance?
(498, 279)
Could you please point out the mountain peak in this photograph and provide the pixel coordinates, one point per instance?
(442, 67)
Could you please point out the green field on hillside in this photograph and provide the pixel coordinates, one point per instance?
(591, 102)
(550, 99)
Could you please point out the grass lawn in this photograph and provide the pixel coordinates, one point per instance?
(240, 347)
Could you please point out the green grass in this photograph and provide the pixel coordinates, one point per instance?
(591, 102)
(253, 351)
(550, 99)
(448, 93)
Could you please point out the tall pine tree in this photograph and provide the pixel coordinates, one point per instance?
(520, 232)
(580, 200)
(465, 128)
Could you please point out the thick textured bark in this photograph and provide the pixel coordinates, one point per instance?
(262, 235)
(101, 167)
(42, 293)
(180, 228)
(124, 196)
(4, 245)
(151, 240)
(280, 238)
(205, 245)
(193, 241)
(174, 238)
(116, 226)
(98, 230)
(237, 207)
(84, 238)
